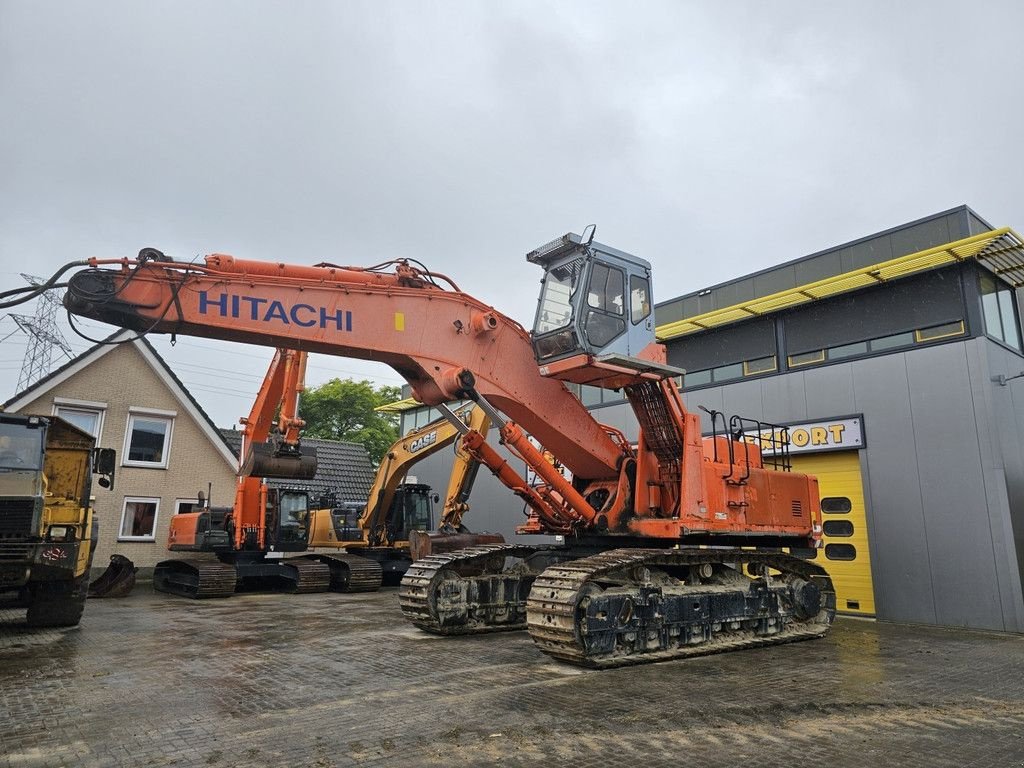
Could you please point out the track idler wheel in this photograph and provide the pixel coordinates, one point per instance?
(806, 598)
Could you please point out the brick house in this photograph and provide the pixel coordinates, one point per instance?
(168, 449)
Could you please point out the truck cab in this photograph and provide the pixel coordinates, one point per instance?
(47, 530)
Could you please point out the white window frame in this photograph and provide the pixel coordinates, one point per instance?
(152, 415)
(124, 510)
(89, 406)
(179, 502)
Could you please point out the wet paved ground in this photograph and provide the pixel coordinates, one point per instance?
(341, 680)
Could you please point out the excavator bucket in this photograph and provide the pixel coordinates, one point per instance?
(423, 543)
(262, 460)
(117, 580)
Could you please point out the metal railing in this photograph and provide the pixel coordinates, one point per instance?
(771, 439)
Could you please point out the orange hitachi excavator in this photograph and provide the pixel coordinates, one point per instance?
(671, 545)
(251, 538)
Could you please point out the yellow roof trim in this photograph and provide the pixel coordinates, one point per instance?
(1001, 251)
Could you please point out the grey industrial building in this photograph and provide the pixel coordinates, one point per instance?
(892, 362)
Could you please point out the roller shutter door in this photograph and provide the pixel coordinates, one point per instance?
(845, 555)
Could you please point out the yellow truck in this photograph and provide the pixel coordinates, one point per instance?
(47, 529)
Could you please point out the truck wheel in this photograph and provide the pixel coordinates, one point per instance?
(58, 604)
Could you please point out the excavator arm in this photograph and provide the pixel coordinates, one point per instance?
(464, 471)
(414, 447)
(274, 414)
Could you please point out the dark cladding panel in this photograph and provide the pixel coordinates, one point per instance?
(670, 312)
(774, 281)
(904, 305)
(920, 237)
(734, 293)
(745, 341)
(817, 268)
(976, 224)
(865, 254)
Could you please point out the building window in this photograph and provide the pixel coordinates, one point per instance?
(186, 505)
(138, 519)
(940, 331)
(148, 440)
(1000, 314)
(807, 358)
(848, 350)
(697, 378)
(891, 342)
(87, 417)
(760, 365)
(727, 372)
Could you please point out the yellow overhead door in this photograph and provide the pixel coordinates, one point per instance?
(845, 555)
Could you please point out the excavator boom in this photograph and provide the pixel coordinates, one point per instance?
(445, 343)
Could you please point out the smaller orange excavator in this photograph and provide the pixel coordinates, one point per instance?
(251, 538)
(396, 525)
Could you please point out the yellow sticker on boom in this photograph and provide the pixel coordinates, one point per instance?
(399, 321)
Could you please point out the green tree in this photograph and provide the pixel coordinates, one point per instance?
(343, 409)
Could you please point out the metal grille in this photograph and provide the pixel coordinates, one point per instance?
(15, 551)
(658, 427)
(16, 517)
(798, 508)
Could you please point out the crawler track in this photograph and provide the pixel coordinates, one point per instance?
(350, 573)
(195, 578)
(630, 606)
(310, 576)
(468, 591)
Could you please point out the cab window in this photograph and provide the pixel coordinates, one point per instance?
(606, 289)
(639, 298)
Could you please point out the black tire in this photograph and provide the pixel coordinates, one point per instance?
(58, 604)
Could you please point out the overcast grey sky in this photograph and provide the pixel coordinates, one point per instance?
(711, 138)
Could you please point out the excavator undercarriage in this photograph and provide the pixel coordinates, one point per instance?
(621, 606)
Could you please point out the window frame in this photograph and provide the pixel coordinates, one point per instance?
(179, 502)
(84, 406)
(165, 416)
(1002, 292)
(919, 339)
(794, 364)
(634, 318)
(748, 370)
(155, 500)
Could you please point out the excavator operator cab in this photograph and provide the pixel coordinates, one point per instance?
(288, 511)
(595, 304)
(411, 510)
